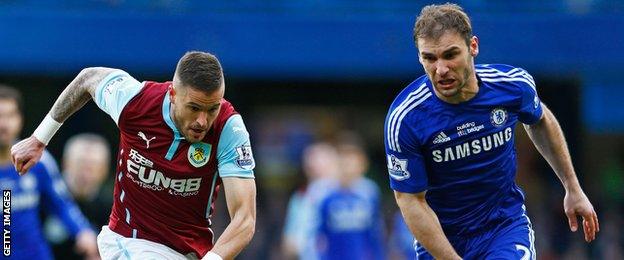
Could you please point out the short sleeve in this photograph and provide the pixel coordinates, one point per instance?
(234, 150)
(530, 110)
(115, 91)
(406, 164)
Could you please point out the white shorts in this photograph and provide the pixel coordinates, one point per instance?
(114, 246)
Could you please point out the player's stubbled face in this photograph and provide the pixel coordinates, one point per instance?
(195, 111)
(10, 122)
(448, 62)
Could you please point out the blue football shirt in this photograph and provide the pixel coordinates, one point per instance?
(350, 224)
(462, 154)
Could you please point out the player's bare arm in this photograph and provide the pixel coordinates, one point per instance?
(549, 140)
(78, 92)
(240, 196)
(424, 224)
(28, 151)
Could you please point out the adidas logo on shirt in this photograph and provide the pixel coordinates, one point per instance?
(441, 138)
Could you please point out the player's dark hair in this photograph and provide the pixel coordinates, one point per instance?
(435, 20)
(200, 70)
(11, 93)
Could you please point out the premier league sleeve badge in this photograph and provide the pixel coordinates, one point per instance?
(245, 158)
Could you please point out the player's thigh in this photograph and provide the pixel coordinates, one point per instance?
(151, 252)
(114, 246)
(110, 245)
(517, 243)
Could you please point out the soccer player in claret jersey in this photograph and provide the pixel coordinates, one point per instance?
(179, 142)
(450, 150)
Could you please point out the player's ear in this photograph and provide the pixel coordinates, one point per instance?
(172, 94)
(474, 46)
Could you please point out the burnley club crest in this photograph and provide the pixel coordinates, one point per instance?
(199, 154)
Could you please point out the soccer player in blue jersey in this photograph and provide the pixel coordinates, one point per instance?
(449, 139)
(401, 240)
(348, 217)
(43, 188)
(320, 166)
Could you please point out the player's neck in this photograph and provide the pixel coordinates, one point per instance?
(173, 118)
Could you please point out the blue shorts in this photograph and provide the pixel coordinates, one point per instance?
(512, 240)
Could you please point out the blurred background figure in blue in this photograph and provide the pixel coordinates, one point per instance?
(401, 241)
(40, 190)
(320, 166)
(347, 214)
(86, 163)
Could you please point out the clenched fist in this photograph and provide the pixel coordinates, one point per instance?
(26, 153)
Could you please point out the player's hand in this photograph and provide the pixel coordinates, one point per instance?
(577, 204)
(26, 153)
(86, 245)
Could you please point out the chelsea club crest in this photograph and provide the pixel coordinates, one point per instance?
(498, 117)
(199, 154)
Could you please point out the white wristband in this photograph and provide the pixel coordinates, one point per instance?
(212, 256)
(46, 130)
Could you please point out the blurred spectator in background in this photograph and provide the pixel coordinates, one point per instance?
(319, 166)
(86, 159)
(86, 164)
(41, 188)
(347, 217)
(401, 242)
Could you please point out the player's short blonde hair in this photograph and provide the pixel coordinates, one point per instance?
(435, 20)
